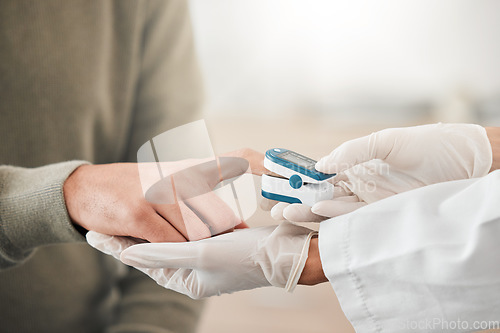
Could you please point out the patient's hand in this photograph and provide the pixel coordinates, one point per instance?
(174, 205)
(396, 160)
(254, 158)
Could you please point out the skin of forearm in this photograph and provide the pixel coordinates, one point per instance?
(494, 137)
(313, 270)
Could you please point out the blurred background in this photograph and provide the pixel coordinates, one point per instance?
(309, 75)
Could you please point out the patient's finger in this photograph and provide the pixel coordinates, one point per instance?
(242, 225)
(231, 167)
(225, 232)
(184, 220)
(300, 213)
(214, 212)
(332, 208)
(254, 158)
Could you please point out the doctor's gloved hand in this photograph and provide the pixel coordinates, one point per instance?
(241, 260)
(396, 160)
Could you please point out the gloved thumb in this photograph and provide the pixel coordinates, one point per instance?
(354, 152)
(300, 213)
(336, 207)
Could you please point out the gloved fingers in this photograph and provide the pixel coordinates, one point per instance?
(342, 186)
(101, 242)
(374, 146)
(277, 211)
(111, 245)
(183, 281)
(267, 204)
(216, 252)
(333, 208)
(341, 176)
(347, 186)
(300, 213)
(303, 213)
(339, 191)
(162, 255)
(169, 278)
(348, 198)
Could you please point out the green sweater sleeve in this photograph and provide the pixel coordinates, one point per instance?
(169, 94)
(169, 89)
(32, 210)
(147, 307)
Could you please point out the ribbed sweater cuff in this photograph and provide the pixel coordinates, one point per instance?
(32, 207)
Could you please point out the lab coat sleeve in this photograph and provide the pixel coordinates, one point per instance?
(33, 211)
(424, 260)
(169, 88)
(147, 307)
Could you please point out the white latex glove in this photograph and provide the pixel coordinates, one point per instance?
(240, 260)
(393, 161)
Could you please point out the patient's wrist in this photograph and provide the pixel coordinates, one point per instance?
(494, 137)
(313, 270)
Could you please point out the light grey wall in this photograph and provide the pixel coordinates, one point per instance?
(387, 57)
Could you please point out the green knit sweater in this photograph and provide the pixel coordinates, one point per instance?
(83, 82)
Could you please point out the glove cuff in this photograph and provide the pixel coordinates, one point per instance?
(297, 269)
(484, 157)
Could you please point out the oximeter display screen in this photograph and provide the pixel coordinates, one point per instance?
(298, 159)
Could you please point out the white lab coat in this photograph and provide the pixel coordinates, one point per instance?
(424, 260)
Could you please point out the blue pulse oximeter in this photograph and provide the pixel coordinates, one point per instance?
(302, 183)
